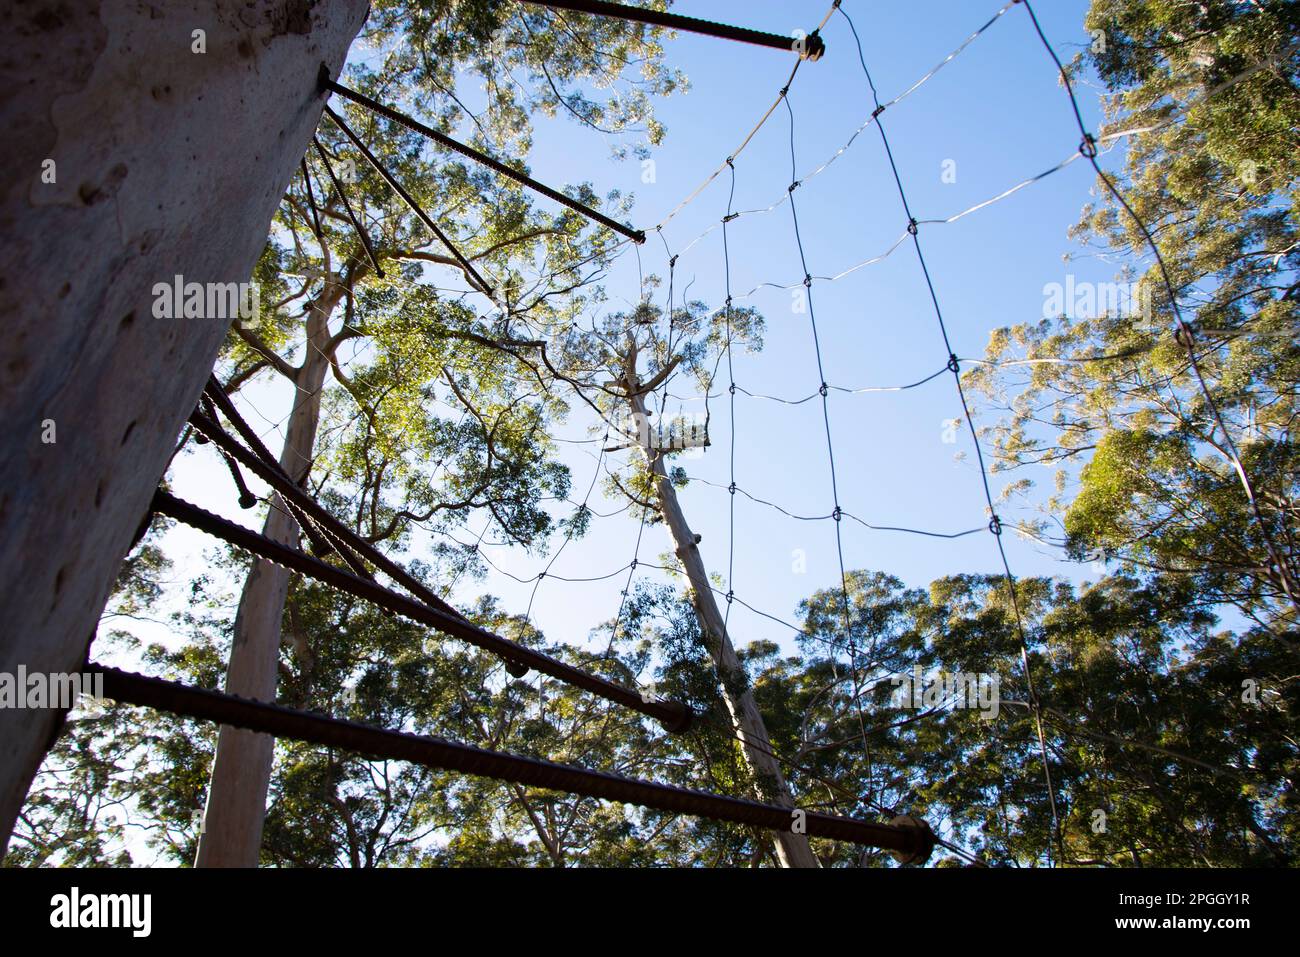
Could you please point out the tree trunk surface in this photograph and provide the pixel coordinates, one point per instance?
(241, 770)
(792, 849)
(165, 162)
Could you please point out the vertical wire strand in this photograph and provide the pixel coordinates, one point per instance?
(1187, 335)
(995, 524)
(837, 513)
(731, 389)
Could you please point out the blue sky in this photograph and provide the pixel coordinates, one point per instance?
(998, 113)
(995, 116)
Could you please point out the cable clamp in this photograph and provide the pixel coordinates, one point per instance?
(795, 185)
(911, 226)
(837, 514)
(633, 565)
(730, 216)
(730, 163)
(953, 366)
(824, 390)
(812, 48)
(995, 525)
(732, 488)
(541, 575)
(1089, 146)
(877, 111)
(730, 597)
(732, 388)
(807, 280)
(672, 262)
(785, 90)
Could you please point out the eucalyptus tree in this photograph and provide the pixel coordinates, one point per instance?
(326, 259)
(1165, 465)
(392, 440)
(685, 337)
(77, 812)
(233, 91)
(126, 171)
(665, 620)
(1169, 423)
(1159, 756)
(121, 780)
(614, 365)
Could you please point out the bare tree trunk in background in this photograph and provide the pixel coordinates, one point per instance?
(164, 161)
(241, 771)
(792, 849)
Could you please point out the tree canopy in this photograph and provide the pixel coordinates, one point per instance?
(1167, 679)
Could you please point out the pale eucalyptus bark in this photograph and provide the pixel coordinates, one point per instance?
(241, 770)
(792, 848)
(166, 162)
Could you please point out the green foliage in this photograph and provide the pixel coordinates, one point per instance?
(1145, 717)
(1145, 473)
(425, 426)
(1149, 715)
(565, 57)
(1177, 731)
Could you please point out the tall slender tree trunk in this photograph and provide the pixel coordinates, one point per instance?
(792, 849)
(241, 771)
(130, 159)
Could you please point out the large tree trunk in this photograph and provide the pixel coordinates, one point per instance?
(792, 849)
(166, 162)
(241, 771)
